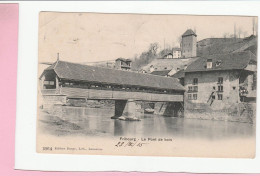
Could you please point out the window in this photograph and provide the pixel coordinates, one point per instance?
(220, 88)
(194, 96)
(195, 81)
(189, 88)
(195, 88)
(220, 80)
(49, 83)
(220, 97)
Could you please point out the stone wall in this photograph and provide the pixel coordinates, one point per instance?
(50, 100)
(239, 112)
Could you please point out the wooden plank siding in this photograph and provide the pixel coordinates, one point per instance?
(117, 95)
(48, 91)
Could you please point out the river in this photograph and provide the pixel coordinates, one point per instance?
(97, 122)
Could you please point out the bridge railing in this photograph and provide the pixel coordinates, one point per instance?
(149, 90)
(118, 95)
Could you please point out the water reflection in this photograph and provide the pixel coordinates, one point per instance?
(97, 122)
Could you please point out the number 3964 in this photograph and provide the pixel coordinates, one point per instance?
(47, 148)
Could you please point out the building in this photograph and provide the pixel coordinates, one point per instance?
(221, 86)
(168, 56)
(189, 44)
(123, 64)
(176, 53)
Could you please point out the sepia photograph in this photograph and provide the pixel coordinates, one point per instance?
(147, 85)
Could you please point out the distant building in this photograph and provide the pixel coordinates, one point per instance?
(176, 53)
(123, 64)
(189, 44)
(142, 71)
(168, 56)
(219, 84)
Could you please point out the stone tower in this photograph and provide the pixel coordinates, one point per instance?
(189, 44)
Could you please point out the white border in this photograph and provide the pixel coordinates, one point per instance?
(25, 153)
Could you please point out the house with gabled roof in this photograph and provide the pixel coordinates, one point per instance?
(123, 64)
(223, 84)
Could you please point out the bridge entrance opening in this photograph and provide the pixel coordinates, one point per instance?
(49, 80)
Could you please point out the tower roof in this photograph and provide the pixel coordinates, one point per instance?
(188, 33)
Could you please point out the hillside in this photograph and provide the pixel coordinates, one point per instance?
(226, 45)
(206, 47)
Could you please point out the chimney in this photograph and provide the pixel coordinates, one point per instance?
(209, 63)
(58, 56)
(185, 66)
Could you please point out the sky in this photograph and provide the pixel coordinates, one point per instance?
(93, 37)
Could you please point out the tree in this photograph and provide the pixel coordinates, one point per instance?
(146, 57)
(153, 48)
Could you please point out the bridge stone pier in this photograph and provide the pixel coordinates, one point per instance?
(130, 111)
(125, 110)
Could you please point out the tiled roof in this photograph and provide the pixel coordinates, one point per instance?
(232, 61)
(176, 49)
(160, 72)
(179, 74)
(124, 60)
(253, 49)
(189, 32)
(79, 72)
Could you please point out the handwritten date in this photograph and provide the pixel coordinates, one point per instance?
(130, 144)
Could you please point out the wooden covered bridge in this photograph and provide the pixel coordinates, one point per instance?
(65, 80)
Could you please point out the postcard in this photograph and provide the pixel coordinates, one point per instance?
(147, 85)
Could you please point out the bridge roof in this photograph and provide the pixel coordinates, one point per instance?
(79, 72)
